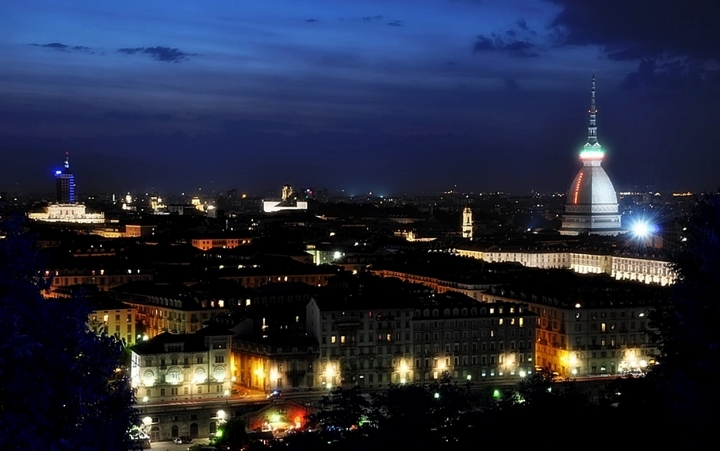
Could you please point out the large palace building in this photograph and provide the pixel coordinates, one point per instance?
(592, 205)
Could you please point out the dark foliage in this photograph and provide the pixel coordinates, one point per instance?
(56, 391)
(232, 434)
(344, 408)
(687, 327)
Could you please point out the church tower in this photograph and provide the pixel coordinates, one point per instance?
(467, 223)
(591, 206)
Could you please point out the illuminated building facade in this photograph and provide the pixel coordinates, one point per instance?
(174, 367)
(74, 213)
(226, 242)
(139, 230)
(107, 316)
(159, 312)
(591, 205)
(103, 279)
(113, 318)
(620, 267)
(258, 277)
(580, 335)
(471, 341)
(366, 344)
(268, 365)
(439, 285)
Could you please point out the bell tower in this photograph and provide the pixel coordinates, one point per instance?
(467, 223)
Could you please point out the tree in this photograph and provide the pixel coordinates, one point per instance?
(344, 408)
(56, 391)
(689, 363)
(232, 434)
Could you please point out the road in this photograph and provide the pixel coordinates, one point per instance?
(170, 446)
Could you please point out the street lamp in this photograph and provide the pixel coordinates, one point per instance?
(227, 395)
(145, 401)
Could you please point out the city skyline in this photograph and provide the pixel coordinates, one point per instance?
(388, 97)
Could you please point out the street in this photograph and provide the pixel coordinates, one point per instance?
(170, 446)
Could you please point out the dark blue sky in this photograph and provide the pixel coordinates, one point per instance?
(387, 96)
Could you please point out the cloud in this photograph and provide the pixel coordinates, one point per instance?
(165, 54)
(396, 23)
(634, 30)
(63, 47)
(672, 76)
(372, 18)
(522, 24)
(54, 45)
(496, 43)
(311, 20)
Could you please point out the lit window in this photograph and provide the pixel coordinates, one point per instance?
(332, 339)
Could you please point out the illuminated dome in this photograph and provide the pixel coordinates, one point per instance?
(592, 187)
(591, 205)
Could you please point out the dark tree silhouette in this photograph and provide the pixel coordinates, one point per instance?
(687, 327)
(343, 408)
(56, 391)
(232, 434)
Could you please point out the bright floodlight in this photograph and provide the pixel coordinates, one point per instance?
(642, 229)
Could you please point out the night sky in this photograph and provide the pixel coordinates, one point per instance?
(388, 96)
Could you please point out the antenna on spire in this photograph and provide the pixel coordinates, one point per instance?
(67, 160)
(592, 128)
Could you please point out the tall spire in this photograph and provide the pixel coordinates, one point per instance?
(592, 151)
(592, 128)
(67, 160)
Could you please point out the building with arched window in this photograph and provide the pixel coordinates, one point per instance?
(173, 367)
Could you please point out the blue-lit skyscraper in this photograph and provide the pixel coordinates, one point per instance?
(65, 181)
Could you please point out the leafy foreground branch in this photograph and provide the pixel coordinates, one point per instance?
(56, 387)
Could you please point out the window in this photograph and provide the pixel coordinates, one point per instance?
(332, 339)
(199, 360)
(219, 359)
